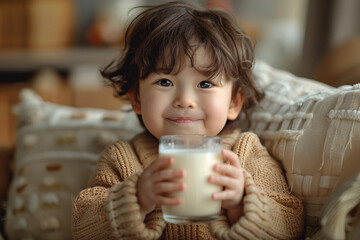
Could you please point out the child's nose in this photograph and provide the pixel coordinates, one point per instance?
(184, 100)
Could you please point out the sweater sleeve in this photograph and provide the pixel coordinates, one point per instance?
(270, 211)
(109, 208)
(124, 213)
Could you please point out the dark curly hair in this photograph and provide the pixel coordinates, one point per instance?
(157, 37)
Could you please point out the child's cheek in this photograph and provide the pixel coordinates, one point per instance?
(152, 111)
(216, 112)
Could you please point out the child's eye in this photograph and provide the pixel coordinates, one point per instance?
(205, 84)
(164, 83)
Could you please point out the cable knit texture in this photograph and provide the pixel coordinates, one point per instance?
(109, 208)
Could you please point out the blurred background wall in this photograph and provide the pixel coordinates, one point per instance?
(293, 35)
(58, 46)
(331, 49)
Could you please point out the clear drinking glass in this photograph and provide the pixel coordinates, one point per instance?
(197, 155)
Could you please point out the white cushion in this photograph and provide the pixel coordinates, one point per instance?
(56, 152)
(314, 130)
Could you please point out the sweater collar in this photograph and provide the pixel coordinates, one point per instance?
(146, 145)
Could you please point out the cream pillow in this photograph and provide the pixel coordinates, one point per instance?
(314, 130)
(56, 151)
(283, 85)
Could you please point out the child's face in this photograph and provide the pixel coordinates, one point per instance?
(185, 102)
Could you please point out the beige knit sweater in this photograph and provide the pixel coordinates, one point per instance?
(109, 209)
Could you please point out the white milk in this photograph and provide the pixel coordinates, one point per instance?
(196, 199)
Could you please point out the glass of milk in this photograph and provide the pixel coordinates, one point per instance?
(197, 155)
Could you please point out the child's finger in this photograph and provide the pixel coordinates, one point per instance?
(224, 195)
(167, 201)
(227, 182)
(168, 174)
(159, 164)
(231, 157)
(226, 169)
(168, 187)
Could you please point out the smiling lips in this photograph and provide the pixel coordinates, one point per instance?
(182, 120)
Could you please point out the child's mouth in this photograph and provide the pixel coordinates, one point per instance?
(182, 120)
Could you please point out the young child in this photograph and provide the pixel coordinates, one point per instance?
(186, 70)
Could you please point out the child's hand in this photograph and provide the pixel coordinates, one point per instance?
(232, 179)
(155, 182)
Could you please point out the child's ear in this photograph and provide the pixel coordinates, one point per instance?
(135, 101)
(236, 105)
